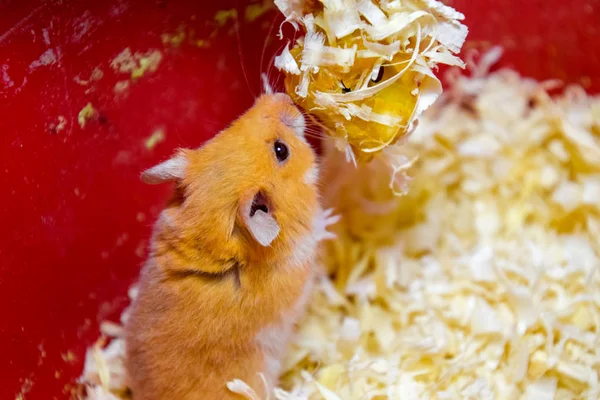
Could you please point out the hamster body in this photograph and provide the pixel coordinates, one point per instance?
(229, 271)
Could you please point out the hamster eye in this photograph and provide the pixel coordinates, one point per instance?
(377, 78)
(281, 151)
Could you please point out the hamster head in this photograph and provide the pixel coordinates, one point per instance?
(247, 194)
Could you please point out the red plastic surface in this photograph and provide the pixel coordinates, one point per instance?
(75, 218)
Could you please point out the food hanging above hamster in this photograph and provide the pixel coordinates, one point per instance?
(366, 68)
(230, 264)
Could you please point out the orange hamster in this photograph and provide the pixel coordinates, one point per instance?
(229, 269)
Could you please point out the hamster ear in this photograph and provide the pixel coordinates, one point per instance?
(168, 171)
(256, 213)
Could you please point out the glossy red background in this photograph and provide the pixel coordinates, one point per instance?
(74, 217)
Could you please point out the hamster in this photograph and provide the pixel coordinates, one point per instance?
(229, 270)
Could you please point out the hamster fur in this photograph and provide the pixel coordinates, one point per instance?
(229, 270)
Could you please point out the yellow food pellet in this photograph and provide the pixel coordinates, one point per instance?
(255, 11)
(202, 43)
(147, 62)
(223, 16)
(174, 40)
(154, 139)
(85, 114)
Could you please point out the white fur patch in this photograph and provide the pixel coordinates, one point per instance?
(165, 219)
(274, 340)
(324, 219)
(275, 337)
(301, 304)
(298, 124)
(294, 119)
(304, 251)
(311, 176)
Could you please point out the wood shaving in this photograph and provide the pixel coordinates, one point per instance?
(137, 64)
(157, 137)
(85, 114)
(361, 54)
(175, 39)
(481, 282)
(223, 16)
(257, 10)
(62, 123)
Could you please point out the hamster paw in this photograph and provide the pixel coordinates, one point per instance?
(324, 220)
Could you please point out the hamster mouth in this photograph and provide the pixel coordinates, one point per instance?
(259, 203)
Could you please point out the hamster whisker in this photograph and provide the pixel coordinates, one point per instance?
(264, 49)
(320, 125)
(309, 130)
(271, 71)
(239, 49)
(315, 133)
